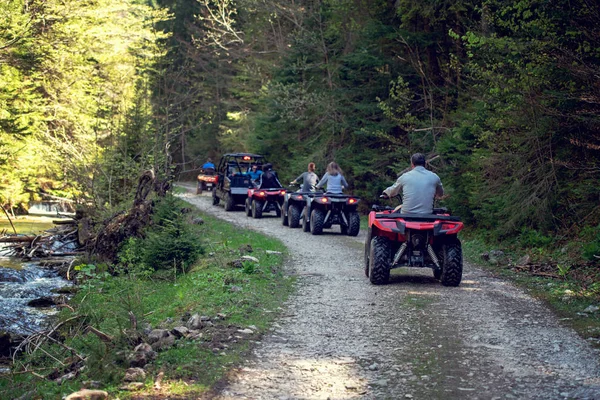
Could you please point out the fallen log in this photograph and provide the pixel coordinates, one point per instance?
(17, 239)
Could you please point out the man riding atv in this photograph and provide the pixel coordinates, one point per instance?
(419, 188)
(419, 236)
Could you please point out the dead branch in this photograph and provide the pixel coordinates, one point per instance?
(9, 220)
(17, 239)
(101, 335)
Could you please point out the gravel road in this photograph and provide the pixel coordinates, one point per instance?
(342, 338)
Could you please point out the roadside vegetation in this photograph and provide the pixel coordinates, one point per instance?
(161, 282)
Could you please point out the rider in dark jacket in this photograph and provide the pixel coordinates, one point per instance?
(268, 179)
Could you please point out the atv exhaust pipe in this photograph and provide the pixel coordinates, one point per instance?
(399, 253)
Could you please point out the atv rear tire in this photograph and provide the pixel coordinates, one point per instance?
(294, 216)
(305, 220)
(437, 273)
(248, 207)
(452, 263)
(257, 208)
(199, 188)
(316, 221)
(229, 202)
(380, 257)
(215, 198)
(284, 217)
(353, 224)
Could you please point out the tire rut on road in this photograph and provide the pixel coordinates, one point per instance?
(342, 338)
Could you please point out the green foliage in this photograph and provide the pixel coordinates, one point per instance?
(168, 244)
(533, 238)
(109, 302)
(591, 246)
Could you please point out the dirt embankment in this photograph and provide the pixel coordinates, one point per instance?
(342, 338)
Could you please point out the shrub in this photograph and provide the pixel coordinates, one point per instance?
(591, 248)
(169, 243)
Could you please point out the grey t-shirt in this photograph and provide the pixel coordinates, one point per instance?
(419, 188)
(335, 183)
(309, 181)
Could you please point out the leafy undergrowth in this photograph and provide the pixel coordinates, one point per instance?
(233, 295)
(563, 279)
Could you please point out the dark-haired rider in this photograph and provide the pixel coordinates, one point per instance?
(419, 188)
(268, 179)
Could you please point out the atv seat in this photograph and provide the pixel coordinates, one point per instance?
(418, 217)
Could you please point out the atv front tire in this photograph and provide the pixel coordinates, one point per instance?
(257, 208)
(452, 263)
(380, 256)
(317, 217)
(215, 198)
(294, 216)
(353, 224)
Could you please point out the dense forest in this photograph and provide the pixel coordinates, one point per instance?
(503, 98)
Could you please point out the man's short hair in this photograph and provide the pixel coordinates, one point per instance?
(418, 159)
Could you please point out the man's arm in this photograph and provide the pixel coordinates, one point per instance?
(395, 189)
(439, 189)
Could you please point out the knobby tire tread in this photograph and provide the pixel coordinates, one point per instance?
(316, 221)
(379, 260)
(353, 224)
(452, 263)
(257, 208)
(294, 216)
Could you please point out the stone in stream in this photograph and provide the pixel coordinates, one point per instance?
(42, 302)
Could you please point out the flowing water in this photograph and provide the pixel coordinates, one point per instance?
(22, 282)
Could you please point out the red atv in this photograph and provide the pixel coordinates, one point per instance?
(413, 240)
(207, 180)
(260, 201)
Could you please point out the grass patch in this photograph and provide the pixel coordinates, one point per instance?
(568, 289)
(27, 225)
(233, 297)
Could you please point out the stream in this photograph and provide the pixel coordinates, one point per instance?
(21, 283)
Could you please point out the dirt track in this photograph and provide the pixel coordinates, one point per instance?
(343, 338)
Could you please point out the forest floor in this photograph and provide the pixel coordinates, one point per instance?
(342, 338)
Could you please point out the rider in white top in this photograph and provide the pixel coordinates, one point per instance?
(419, 188)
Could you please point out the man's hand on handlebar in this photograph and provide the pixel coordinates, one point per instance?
(384, 196)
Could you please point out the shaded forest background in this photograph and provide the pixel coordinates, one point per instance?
(505, 94)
